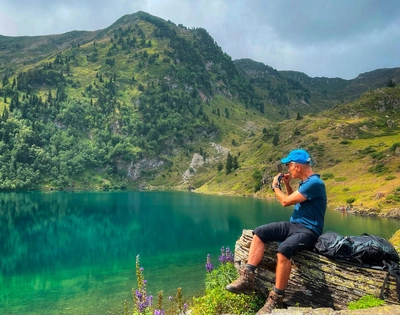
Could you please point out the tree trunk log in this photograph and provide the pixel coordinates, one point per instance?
(315, 280)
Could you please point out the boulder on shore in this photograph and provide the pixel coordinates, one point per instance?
(316, 281)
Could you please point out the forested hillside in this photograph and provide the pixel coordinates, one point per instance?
(149, 104)
(90, 112)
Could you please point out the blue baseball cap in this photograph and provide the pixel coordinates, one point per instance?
(298, 156)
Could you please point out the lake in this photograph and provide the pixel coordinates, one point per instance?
(75, 252)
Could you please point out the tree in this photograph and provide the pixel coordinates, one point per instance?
(228, 165)
(226, 112)
(391, 83)
(275, 140)
(235, 163)
(265, 131)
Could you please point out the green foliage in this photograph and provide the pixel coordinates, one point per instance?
(229, 163)
(275, 140)
(378, 168)
(327, 176)
(350, 200)
(368, 150)
(257, 176)
(394, 146)
(391, 83)
(345, 142)
(364, 302)
(232, 163)
(378, 155)
(217, 300)
(394, 197)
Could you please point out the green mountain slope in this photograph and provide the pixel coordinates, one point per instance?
(292, 92)
(355, 146)
(111, 110)
(145, 103)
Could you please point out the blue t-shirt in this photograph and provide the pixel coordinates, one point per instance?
(311, 212)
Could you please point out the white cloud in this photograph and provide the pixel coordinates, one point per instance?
(338, 38)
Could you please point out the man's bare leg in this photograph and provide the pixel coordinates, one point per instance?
(256, 252)
(245, 283)
(283, 269)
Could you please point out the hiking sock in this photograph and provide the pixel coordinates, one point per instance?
(251, 268)
(279, 292)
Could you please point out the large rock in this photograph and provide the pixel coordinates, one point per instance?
(316, 281)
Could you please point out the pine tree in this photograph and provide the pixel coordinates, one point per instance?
(275, 140)
(235, 163)
(228, 165)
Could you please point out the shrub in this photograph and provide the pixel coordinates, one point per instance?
(378, 155)
(390, 177)
(378, 168)
(341, 179)
(368, 150)
(393, 198)
(367, 301)
(326, 176)
(344, 142)
(395, 146)
(350, 200)
(217, 300)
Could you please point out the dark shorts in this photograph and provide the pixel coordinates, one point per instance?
(293, 237)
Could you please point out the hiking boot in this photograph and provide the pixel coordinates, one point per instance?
(273, 301)
(244, 284)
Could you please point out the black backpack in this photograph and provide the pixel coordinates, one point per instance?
(365, 250)
(369, 251)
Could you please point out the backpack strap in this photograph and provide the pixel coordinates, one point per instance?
(393, 269)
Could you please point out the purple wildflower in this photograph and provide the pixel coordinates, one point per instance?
(222, 257)
(226, 255)
(209, 265)
(158, 312)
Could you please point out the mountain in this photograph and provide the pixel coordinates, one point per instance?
(118, 102)
(145, 103)
(292, 91)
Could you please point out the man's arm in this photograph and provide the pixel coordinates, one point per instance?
(290, 198)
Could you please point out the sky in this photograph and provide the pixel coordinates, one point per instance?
(322, 38)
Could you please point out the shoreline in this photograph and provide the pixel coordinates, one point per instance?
(393, 213)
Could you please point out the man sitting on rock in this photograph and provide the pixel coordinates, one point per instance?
(306, 224)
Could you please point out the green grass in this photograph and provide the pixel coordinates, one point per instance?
(364, 302)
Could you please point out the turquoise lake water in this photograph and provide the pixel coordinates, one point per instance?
(75, 252)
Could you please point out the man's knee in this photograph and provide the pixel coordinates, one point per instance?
(257, 239)
(282, 259)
